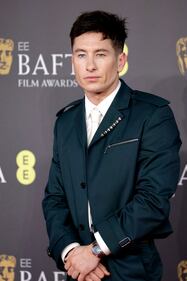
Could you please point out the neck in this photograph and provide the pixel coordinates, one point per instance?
(97, 97)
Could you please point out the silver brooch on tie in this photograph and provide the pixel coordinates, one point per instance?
(111, 127)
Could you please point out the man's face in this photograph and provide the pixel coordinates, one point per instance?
(96, 63)
(6, 48)
(7, 270)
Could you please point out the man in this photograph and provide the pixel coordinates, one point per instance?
(114, 168)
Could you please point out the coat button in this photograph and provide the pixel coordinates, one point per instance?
(124, 242)
(83, 185)
(49, 252)
(81, 227)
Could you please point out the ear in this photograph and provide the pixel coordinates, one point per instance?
(72, 59)
(72, 65)
(122, 58)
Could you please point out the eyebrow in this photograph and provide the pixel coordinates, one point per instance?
(102, 50)
(79, 50)
(97, 50)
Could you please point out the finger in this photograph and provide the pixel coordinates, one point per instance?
(70, 271)
(81, 277)
(75, 274)
(99, 272)
(103, 268)
(88, 278)
(94, 277)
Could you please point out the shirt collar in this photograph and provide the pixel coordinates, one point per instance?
(104, 105)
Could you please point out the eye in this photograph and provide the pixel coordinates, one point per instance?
(81, 55)
(10, 269)
(8, 53)
(101, 55)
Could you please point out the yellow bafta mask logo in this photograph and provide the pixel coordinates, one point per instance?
(182, 270)
(126, 66)
(181, 50)
(6, 48)
(7, 267)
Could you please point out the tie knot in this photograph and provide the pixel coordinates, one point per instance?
(95, 115)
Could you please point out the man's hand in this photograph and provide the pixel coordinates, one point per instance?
(97, 274)
(80, 262)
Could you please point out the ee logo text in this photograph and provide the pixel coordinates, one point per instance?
(26, 161)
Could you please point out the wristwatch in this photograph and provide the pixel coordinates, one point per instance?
(96, 250)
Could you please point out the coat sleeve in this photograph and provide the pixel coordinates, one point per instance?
(60, 228)
(146, 215)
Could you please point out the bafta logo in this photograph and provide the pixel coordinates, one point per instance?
(6, 48)
(181, 49)
(126, 66)
(7, 266)
(182, 270)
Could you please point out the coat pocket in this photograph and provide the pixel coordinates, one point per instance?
(120, 143)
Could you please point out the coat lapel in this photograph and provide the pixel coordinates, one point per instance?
(115, 114)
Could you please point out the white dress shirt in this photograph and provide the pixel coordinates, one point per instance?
(103, 107)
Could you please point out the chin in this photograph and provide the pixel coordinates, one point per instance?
(93, 89)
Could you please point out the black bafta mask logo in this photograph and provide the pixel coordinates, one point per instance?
(181, 49)
(7, 267)
(182, 270)
(6, 48)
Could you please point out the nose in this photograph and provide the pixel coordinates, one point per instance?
(2, 56)
(90, 64)
(5, 274)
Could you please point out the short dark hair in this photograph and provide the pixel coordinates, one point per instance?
(110, 25)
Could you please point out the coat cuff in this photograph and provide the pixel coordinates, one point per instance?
(113, 235)
(68, 249)
(56, 251)
(102, 243)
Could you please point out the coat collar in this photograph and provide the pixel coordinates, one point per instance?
(123, 96)
(113, 117)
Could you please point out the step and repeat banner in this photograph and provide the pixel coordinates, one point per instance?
(37, 79)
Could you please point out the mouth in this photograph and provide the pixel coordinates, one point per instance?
(2, 65)
(91, 78)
